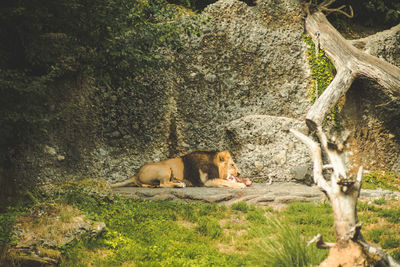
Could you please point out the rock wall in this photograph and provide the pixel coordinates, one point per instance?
(246, 65)
(372, 116)
(239, 84)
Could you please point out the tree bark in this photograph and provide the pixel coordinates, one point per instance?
(350, 248)
(350, 63)
(343, 190)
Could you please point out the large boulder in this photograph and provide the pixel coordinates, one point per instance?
(268, 150)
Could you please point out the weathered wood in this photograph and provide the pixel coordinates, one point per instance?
(350, 63)
(343, 201)
(317, 159)
(343, 191)
(350, 247)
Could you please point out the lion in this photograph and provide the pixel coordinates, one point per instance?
(199, 168)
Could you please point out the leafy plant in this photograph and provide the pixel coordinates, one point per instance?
(380, 201)
(395, 254)
(391, 215)
(322, 73)
(209, 227)
(373, 13)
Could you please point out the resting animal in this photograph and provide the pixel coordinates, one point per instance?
(200, 168)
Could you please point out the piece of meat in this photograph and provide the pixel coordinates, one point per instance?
(245, 181)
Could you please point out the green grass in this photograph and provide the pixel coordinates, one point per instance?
(387, 180)
(168, 233)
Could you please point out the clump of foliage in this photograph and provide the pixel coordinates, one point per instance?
(322, 69)
(322, 73)
(241, 206)
(387, 180)
(113, 41)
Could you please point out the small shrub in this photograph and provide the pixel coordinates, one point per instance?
(364, 206)
(286, 247)
(189, 214)
(380, 201)
(208, 209)
(209, 227)
(240, 206)
(256, 216)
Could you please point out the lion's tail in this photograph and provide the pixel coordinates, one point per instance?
(133, 181)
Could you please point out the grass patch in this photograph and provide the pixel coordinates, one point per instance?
(381, 224)
(375, 234)
(165, 233)
(285, 246)
(380, 201)
(240, 206)
(387, 180)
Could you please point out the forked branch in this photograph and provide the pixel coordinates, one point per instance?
(350, 63)
(325, 7)
(339, 10)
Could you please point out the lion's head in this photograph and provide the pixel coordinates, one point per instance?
(226, 165)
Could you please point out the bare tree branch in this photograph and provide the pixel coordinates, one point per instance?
(339, 10)
(320, 242)
(317, 159)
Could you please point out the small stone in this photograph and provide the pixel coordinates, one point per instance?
(115, 134)
(102, 152)
(280, 158)
(49, 150)
(60, 157)
(259, 165)
(210, 77)
(251, 147)
(300, 172)
(185, 145)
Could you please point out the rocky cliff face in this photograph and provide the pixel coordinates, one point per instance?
(239, 84)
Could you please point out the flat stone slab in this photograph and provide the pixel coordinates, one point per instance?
(276, 194)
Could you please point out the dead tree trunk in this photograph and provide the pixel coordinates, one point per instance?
(350, 63)
(350, 248)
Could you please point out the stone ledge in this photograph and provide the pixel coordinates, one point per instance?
(277, 194)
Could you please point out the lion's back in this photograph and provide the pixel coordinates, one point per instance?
(199, 160)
